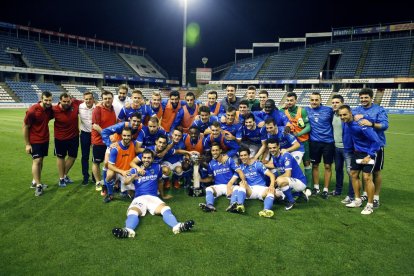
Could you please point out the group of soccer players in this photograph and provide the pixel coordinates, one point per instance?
(248, 148)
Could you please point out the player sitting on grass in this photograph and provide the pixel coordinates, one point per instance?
(255, 185)
(146, 188)
(224, 179)
(289, 174)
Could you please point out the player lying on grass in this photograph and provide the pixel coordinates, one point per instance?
(146, 199)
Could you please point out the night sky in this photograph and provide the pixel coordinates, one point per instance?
(224, 24)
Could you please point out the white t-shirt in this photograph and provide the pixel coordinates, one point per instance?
(85, 115)
(118, 105)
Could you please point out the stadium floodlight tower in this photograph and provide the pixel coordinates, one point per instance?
(184, 80)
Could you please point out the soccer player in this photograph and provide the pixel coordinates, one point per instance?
(120, 157)
(321, 142)
(255, 185)
(85, 116)
(222, 172)
(374, 116)
(112, 134)
(161, 153)
(251, 97)
(103, 116)
(187, 114)
(287, 142)
(146, 199)
(263, 97)
(66, 129)
(155, 105)
(135, 106)
(121, 99)
(340, 155)
(270, 111)
(289, 175)
(171, 108)
(149, 134)
(231, 125)
(215, 107)
(194, 145)
(231, 99)
(174, 161)
(205, 119)
(365, 143)
(36, 137)
(229, 147)
(249, 136)
(300, 127)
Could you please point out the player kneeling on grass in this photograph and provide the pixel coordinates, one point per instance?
(224, 178)
(120, 157)
(255, 185)
(146, 187)
(289, 174)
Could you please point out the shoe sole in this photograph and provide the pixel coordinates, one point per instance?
(120, 233)
(266, 214)
(205, 208)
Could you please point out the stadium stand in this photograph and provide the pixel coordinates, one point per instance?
(112, 89)
(29, 92)
(5, 97)
(77, 90)
(141, 66)
(281, 66)
(109, 62)
(32, 54)
(349, 60)
(276, 95)
(70, 57)
(398, 98)
(245, 70)
(314, 61)
(389, 58)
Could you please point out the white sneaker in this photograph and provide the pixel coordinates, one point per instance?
(354, 203)
(368, 210)
(346, 200)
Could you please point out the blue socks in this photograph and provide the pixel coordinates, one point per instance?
(110, 186)
(209, 197)
(233, 197)
(268, 202)
(241, 195)
(169, 218)
(288, 193)
(132, 222)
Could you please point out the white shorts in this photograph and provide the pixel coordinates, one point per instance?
(171, 166)
(146, 202)
(221, 189)
(130, 187)
(298, 155)
(296, 184)
(257, 192)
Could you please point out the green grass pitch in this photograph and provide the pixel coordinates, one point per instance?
(68, 230)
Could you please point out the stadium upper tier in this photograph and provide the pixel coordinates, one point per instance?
(55, 55)
(378, 58)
